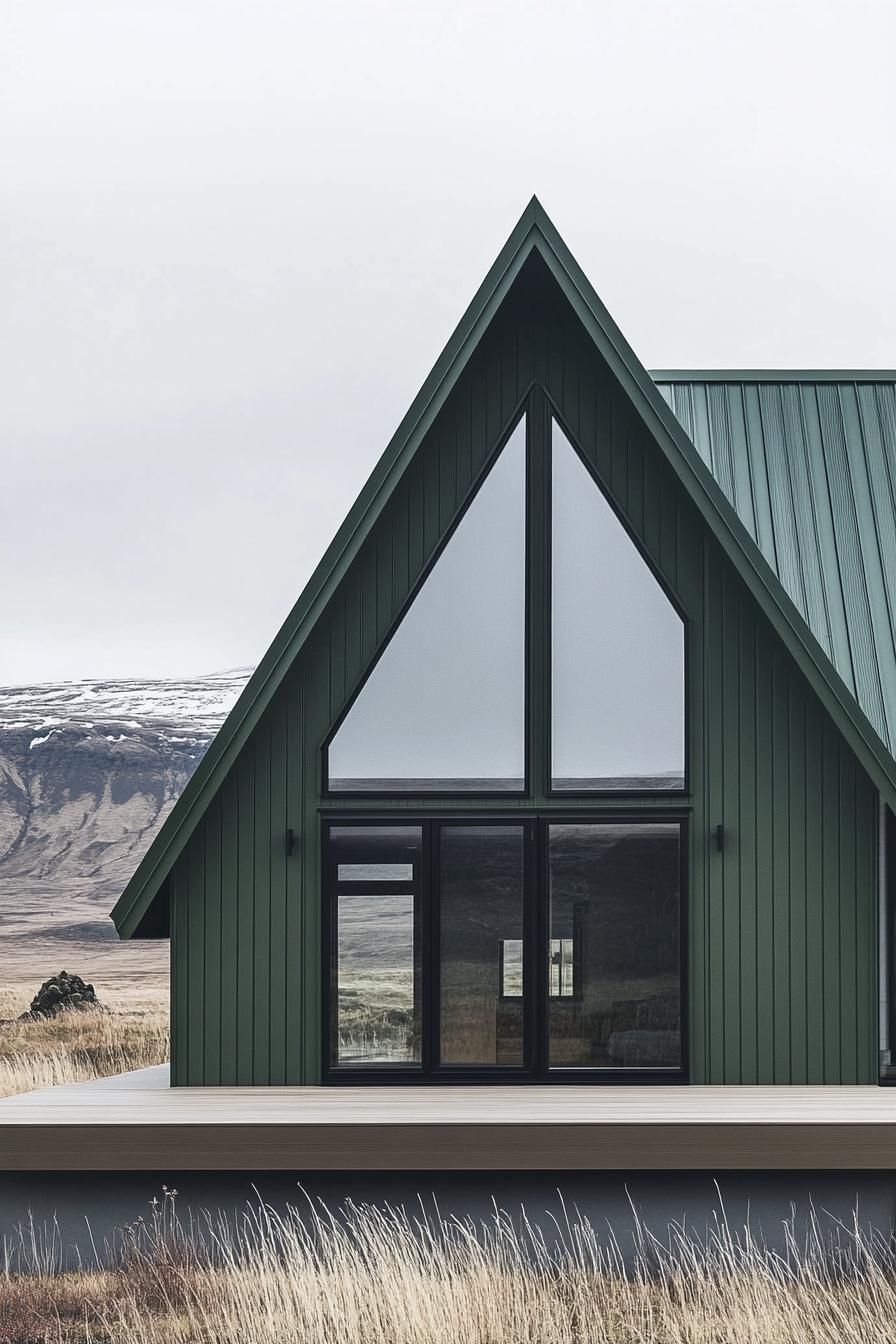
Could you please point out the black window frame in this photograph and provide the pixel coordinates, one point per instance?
(675, 793)
(536, 1067)
(537, 803)
(403, 791)
(334, 887)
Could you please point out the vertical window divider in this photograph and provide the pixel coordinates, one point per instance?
(531, 950)
(538, 711)
(542, 971)
(430, 969)
(538, 595)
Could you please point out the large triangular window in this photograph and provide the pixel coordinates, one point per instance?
(443, 709)
(617, 687)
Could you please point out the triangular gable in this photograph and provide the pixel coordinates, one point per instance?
(533, 233)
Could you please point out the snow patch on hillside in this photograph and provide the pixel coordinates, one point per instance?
(201, 702)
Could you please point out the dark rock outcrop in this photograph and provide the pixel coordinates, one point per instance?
(62, 993)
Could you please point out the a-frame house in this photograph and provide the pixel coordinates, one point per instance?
(574, 757)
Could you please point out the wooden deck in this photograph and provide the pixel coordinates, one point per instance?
(138, 1123)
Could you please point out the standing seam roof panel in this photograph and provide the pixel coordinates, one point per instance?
(819, 454)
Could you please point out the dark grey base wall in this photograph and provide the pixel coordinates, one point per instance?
(768, 1200)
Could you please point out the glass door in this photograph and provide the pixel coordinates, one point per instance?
(614, 945)
(482, 975)
(496, 948)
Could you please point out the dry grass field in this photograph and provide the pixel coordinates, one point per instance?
(367, 1276)
(75, 1047)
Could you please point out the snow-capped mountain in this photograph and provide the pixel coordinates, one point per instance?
(88, 772)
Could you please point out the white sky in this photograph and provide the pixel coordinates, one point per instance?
(234, 239)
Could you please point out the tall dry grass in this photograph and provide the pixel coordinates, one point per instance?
(76, 1047)
(373, 1276)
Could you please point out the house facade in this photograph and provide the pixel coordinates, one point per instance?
(574, 760)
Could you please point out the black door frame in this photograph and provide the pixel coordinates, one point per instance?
(535, 1069)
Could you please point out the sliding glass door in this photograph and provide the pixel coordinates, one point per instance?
(499, 948)
(614, 999)
(480, 962)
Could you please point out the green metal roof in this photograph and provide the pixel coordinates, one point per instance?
(136, 912)
(808, 459)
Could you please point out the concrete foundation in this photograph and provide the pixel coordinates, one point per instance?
(75, 1215)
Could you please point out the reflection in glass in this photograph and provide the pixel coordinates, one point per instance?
(375, 853)
(376, 970)
(375, 872)
(615, 921)
(512, 968)
(443, 708)
(617, 647)
(481, 945)
(377, 980)
(561, 982)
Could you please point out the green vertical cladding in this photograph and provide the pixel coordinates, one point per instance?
(782, 837)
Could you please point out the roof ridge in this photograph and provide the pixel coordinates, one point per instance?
(773, 375)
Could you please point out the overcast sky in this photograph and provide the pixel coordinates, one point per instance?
(235, 237)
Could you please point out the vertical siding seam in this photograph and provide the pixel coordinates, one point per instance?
(205, 905)
(755, 718)
(788, 793)
(221, 942)
(185, 997)
(735, 867)
(806, 875)
(272, 832)
(722, 866)
(823, 903)
(739, 840)
(302, 888)
(177, 954)
(825, 930)
(238, 979)
(774, 856)
(875, 924)
(857, 896)
(841, 958)
(252, 920)
(707, 879)
(183, 1016)
(739, 843)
